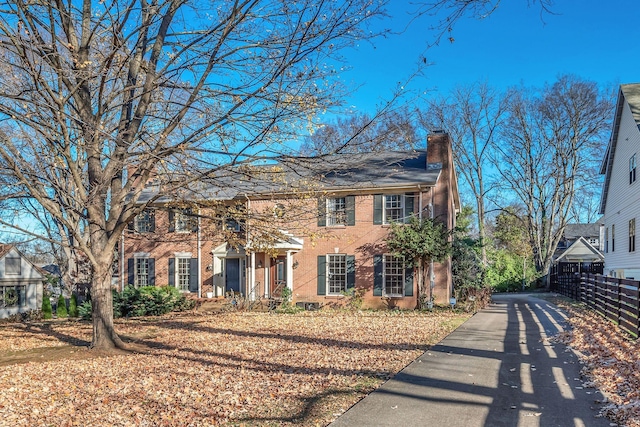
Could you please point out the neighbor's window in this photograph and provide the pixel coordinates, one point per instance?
(141, 277)
(336, 273)
(12, 265)
(632, 169)
(13, 296)
(632, 235)
(182, 273)
(606, 240)
(337, 211)
(393, 273)
(613, 238)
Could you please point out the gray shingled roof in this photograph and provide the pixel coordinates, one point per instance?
(380, 170)
(574, 231)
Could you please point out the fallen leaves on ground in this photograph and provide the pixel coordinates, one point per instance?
(239, 369)
(610, 360)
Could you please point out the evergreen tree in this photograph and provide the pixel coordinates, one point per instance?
(61, 310)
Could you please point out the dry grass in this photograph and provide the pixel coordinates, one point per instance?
(241, 369)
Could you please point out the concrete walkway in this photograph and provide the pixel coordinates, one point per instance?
(497, 369)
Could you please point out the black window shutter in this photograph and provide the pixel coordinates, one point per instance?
(131, 266)
(408, 281)
(172, 271)
(377, 275)
(193, 275)
(172, 224)
(351, 271)
(350, 202)
(408, 206)
(152, 272)
(152, 220)
(322, 212)
(322, 275)
(377, 209)
(193, 221)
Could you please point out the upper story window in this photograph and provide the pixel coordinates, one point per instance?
(336, 211)
(606, 240)
(593, 241)
(12, 265)
(632, 169)
(632, 235)
(279, 210)
(144, 222)
(388, 208)
(182, 220)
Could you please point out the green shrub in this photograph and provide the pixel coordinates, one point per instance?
(73, 306)
(84, 310)
(61, 310)
(144, 301)
(47, 312)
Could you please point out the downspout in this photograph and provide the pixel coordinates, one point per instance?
(432, 276)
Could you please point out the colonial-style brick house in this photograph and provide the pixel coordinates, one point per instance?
(318, 239)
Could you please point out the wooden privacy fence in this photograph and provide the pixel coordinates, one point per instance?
(616, 299)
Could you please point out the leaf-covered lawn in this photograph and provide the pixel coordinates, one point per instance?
(611, 360)
(225, 369)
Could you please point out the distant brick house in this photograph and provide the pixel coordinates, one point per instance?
(326, 239)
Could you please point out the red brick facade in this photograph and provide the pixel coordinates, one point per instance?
(314, 260)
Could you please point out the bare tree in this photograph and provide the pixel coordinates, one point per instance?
(99, 97)
(546, 153)
(391, 130)
(472, 116)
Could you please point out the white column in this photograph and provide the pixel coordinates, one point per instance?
(290, 272)
(252, 276)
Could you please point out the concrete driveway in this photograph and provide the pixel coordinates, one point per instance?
(497, 369)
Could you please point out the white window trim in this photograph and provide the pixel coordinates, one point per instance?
(402, 207)
(384, 277)
(330, 214)
(136, 271)
(19, 265)
(328, 274)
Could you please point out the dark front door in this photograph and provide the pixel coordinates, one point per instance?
(278, 276)
(233, 275)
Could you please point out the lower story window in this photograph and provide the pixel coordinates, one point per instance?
(141, 272)
(13, 296)
(393, 275)
(183, 273)
(337, 273)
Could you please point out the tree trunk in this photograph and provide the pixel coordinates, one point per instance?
(104, 334)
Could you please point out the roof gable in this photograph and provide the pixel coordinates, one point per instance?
(629, 95)
(581, 248)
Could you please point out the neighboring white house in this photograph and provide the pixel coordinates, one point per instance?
(20, 283)
(620, 202)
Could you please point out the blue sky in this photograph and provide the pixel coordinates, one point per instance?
(593, 39)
